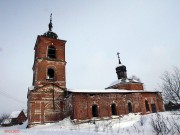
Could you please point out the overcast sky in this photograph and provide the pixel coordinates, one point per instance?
(146, 33)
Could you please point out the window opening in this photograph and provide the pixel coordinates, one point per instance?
(129, 107)
(50, 74)
(147, 106)
(51, 52)
(113, 109)
(153, 106)
(94, 111)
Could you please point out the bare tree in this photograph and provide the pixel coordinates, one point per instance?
(3, 116)
(176, 125)
(160, 125)
(171, 85)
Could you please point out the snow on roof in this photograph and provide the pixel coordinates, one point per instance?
(119, 65)
(106, 91)
(25, 113)
(124, 80)
(15, 114)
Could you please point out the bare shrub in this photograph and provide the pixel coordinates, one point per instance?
(3, 116)
(165, 126)
(96, 128)
(176, 125)
(160, 125)
(141, 120)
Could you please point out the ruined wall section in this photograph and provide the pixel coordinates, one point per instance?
(83, 103)
(44, 105)
(68, 106)
(153, 99)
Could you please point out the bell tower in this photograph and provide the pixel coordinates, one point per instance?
(46, 96)
(49, 60)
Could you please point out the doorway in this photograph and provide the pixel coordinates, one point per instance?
(113, 109)
(129, 107)
(95, 111)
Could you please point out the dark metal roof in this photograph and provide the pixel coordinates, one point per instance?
(51, 34)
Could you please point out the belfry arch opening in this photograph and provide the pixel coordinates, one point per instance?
(147, 106)
(129, 107)
(113, 109)
(51, 52)
(50, 74)
(95, 111)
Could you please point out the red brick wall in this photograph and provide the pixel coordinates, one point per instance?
(41, 75)
(129, 86)
(68, 106)
(82, 104)
(42, 62)
(42, 44)
(44, 106)
(152, 97)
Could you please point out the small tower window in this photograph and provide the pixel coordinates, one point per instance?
(51, 52)
(50, 74)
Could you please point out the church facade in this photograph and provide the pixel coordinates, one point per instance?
(50, 101)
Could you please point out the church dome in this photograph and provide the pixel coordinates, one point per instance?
(121, 67)
(50, 34)
(121, 70)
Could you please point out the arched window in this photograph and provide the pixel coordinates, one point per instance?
(51, 52)
(153, 106)
(95, 111)
(129, 107)
(113, 109)
(147, 106)
(50, 74)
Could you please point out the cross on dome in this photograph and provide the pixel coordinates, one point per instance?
(118, 57)
(50, 24)
(50, 33)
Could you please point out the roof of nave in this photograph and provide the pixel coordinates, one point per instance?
(124, 81)
(14, 114)
(108, 91)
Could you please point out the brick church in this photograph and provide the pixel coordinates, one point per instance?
(49, 100)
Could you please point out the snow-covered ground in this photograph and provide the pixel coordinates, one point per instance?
(131, 124)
